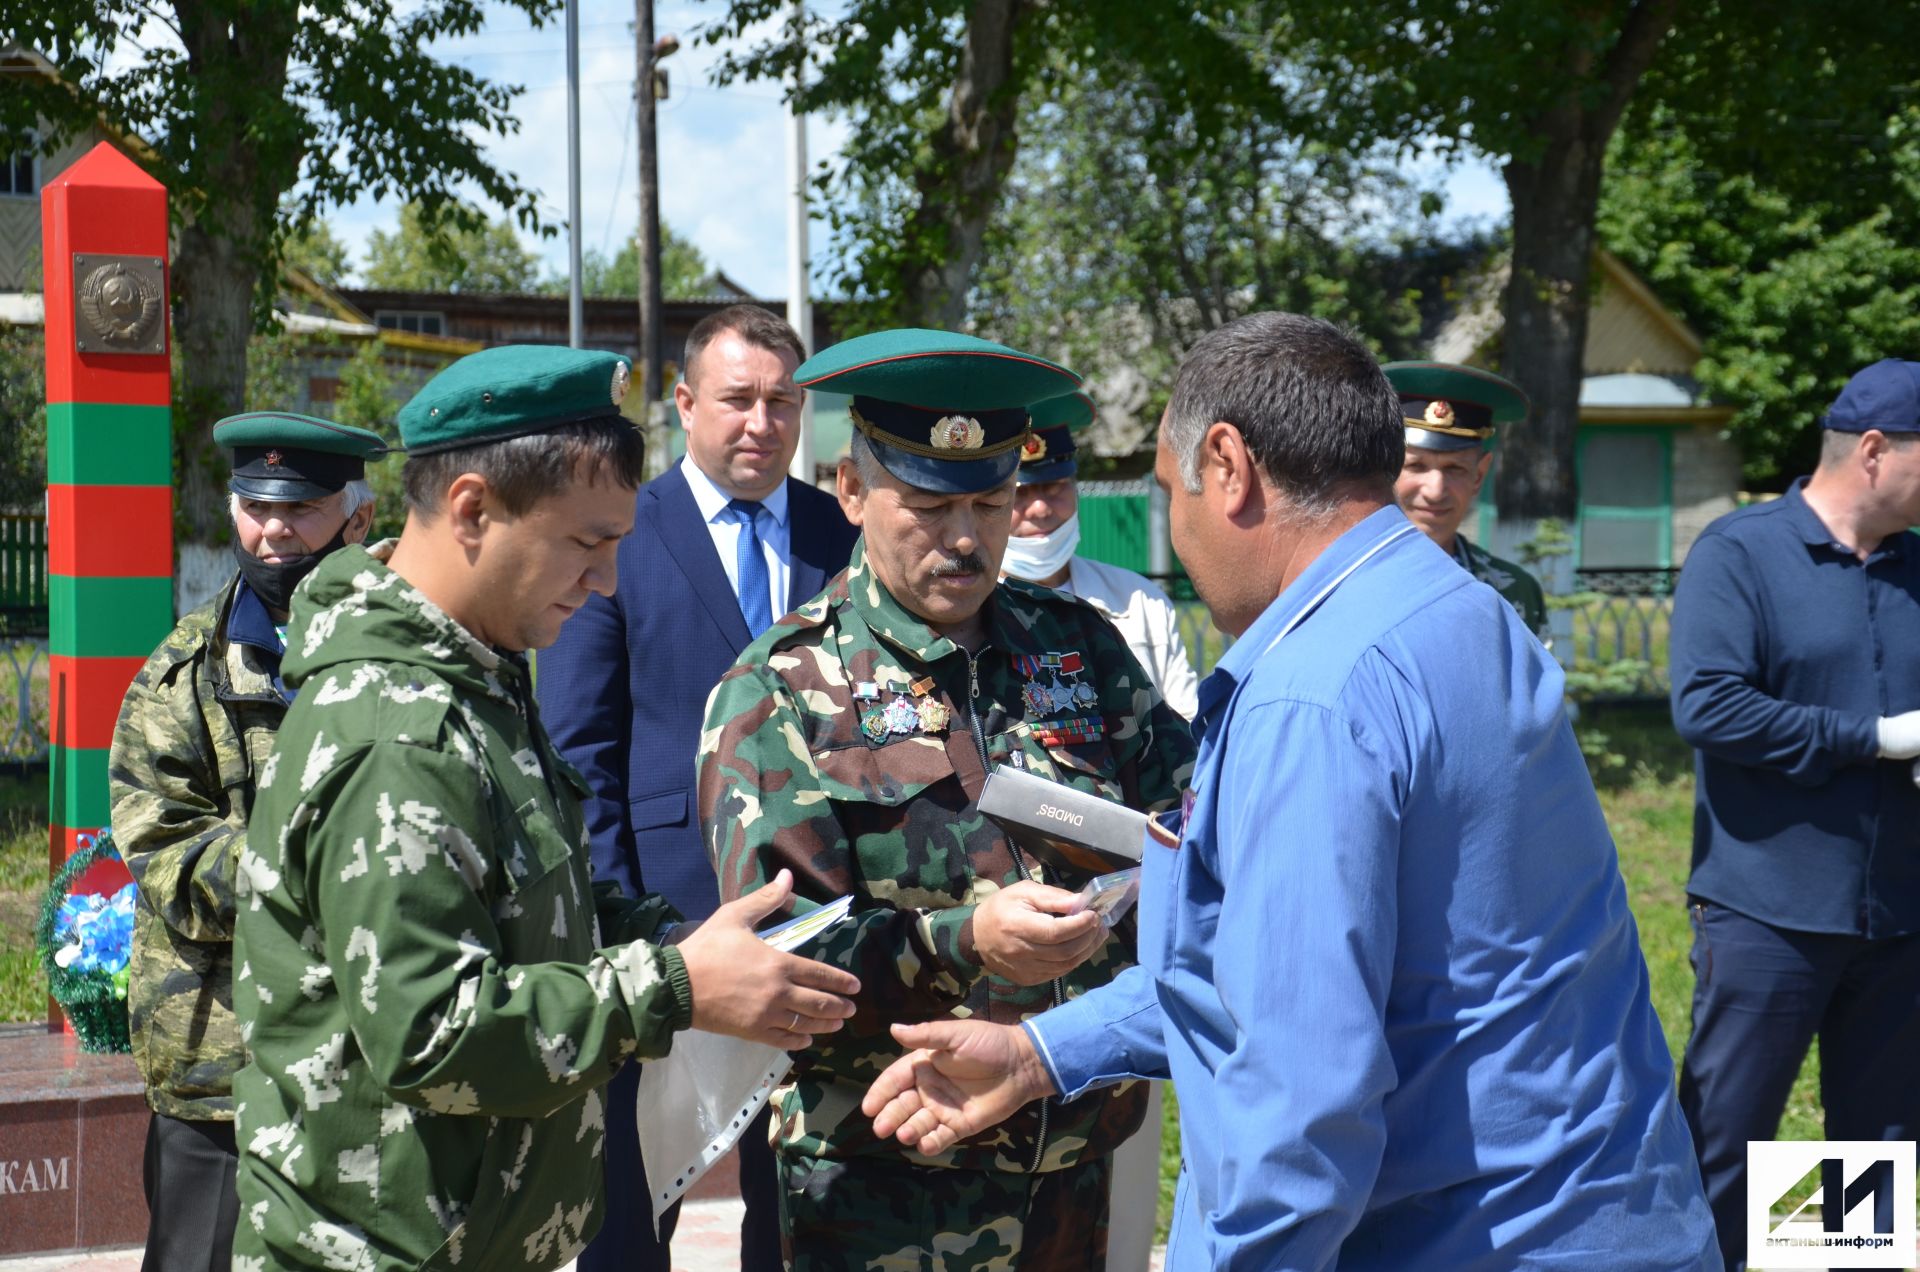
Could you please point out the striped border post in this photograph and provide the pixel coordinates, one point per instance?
(109, 492)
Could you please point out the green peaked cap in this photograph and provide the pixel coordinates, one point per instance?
(281, 457)
(1451, 406)
(1048, 455)
(513, 391)
(943, 412)
(1069, 410)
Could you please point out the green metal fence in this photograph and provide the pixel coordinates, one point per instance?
(23, 572)
(1115, 519)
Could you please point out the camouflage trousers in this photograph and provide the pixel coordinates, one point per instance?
(882, 1213)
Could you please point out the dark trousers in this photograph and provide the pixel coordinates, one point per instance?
(191, 1206)
(626, 1242)
(1761, 995)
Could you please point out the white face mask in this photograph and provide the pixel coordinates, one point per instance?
(1041, 556)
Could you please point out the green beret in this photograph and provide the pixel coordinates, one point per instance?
(512, 391)
(1049, 450)
(943, 412)
(280, 457)
(1448, 406)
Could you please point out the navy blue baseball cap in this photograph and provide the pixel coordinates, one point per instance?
(1885, 396)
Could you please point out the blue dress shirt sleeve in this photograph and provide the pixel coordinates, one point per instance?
(1307, 849)
(1104, 1036)
(1719, 656)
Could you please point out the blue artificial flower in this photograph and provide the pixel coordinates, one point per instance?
(95, 932)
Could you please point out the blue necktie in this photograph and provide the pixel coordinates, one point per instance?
(750, 567)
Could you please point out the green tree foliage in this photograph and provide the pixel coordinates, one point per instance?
(1792, 289)
(932, 89)
(316, 252)
(683, 270)
(23, 417)
(1124, 235)
(420, 254)
(261, 116)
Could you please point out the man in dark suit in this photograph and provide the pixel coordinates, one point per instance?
(723, 543)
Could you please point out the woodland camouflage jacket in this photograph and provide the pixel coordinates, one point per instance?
(432, 988)
(197, 723)
(799, 770)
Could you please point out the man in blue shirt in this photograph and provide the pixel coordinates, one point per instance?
(1386, 957)
(1796, 675)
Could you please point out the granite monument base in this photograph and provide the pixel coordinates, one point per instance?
(73, 1128)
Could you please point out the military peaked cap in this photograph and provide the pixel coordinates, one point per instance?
(943, 412)
(280, 457)
(1448, 406)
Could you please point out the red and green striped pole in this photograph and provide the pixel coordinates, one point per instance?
(109, 473)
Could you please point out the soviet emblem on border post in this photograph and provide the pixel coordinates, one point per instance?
(120, 304)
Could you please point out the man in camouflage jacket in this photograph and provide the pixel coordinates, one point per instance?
(195, 727)
(849, 745)
(433, 989)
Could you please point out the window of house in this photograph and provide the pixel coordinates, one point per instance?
(20, 175)
(1626, 498)
(419, 322)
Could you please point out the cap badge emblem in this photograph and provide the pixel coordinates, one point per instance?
(958, 433)
(1035, 447)
(1440, 411)
(273, 459)
(622, 380)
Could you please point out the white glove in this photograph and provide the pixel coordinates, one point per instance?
(1900, 736)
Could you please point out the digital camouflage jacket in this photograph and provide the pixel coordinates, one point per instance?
(809, 761)
(1517, 587)
(196, 725)
(430, 1005)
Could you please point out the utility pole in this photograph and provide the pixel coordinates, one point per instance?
(649, 243)
(799, 299)
(576, 309)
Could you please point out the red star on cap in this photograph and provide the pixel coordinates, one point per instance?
(273, 459)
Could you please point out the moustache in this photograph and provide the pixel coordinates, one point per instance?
(971, 563)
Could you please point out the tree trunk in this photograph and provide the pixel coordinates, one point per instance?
(973, 153)
(240, 59)
(1555, 197)
(213, 289)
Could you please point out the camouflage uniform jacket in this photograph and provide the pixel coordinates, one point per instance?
(1518, 588)
(428, 1017)
(789, 778)
(196, 725)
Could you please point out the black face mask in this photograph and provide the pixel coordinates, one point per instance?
(274, 581)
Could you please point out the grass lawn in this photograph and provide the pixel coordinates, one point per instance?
(23, 878)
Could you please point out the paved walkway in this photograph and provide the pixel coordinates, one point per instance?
(708, 1240)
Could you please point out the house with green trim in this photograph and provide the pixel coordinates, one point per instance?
(1652, 456)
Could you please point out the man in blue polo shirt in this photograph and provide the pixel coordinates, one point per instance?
(1385, 954)
(1796, 675)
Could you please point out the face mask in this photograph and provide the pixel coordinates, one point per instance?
(274, 581)
(1041, 556)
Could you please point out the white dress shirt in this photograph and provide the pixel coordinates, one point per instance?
(776, 539)
(1148, 621)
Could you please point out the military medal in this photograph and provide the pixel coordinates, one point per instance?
(1048, 697)
(873, 716)
(933, 715)
(901, 715)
